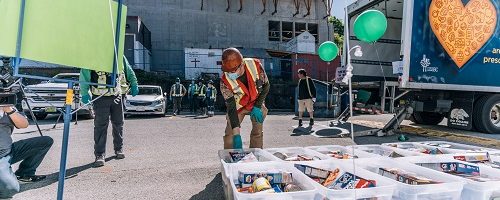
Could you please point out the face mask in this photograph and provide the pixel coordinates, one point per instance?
(177, 83)
(233, 76)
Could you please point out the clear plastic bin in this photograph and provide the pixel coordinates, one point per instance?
(459, 147)
(385, 151)
(416, 147)
(449, 187)
(383, 191)
(294, 151)
(310, 191)
(473, 190)
(262, 156)
(328, 148)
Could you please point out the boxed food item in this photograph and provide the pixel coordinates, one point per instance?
(272, 177)
(405, 177)
(335, 179)
(452, 167)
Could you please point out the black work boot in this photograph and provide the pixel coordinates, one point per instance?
(300, 122)
(311, 121)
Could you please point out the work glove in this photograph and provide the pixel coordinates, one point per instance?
(237, 142)
(314, 100)
(86, 99)
(134, 90)
(257, 115)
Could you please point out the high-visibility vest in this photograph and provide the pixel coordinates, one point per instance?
(178, 90)
(201, 90)
(245, 97)
(123, 83)
(193, 89)
(213, 92)
(103, 78)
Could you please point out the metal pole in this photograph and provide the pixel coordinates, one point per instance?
(64, 150)
(346, 25)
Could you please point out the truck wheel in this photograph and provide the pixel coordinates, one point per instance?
(486, 114)
(40, 116)
(427, 118)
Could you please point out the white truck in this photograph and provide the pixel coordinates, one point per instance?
(450, 53)
(49, 97)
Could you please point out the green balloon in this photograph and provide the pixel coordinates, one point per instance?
(328, 51)
(370, 26)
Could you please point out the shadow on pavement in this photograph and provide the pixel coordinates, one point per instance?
(299, 131)
(54, 177)
(213, 190)
(329, 132)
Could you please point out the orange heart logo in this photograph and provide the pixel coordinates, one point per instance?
(462, 30)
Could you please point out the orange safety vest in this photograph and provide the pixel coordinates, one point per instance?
(245, 97)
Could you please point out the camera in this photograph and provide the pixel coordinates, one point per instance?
(8, 88)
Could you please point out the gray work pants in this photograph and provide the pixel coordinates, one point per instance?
(104, 108)
(177, 104)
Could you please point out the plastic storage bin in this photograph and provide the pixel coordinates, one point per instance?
(385, 151)
(449, 188)
(473, 190)
(459, 147)
(310, 191)
(327, 148)
(383, 191)
(294, 151)
(415, 146)
(262, 156)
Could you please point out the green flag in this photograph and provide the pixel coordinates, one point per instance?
(66, 32)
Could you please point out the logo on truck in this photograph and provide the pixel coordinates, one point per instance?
(458, 117)
(462, 30)
(425, 63)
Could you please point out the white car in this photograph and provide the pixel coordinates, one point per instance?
(150, 101)
(49, 96)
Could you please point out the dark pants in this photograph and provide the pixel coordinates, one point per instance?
(210, 104)
(104, 108)
(193, 101)
(177, 104)
(31, 153)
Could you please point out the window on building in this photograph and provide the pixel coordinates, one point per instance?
(313, 29)
(299, 28)
(287, 31)
(274, 30)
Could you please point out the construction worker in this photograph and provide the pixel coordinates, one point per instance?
(177, 91)
(202, 90)
(107, 105)
(244, 86)
(306, 96)
(193, 96)
(211, 98)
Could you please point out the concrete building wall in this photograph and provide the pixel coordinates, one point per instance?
(176, 24)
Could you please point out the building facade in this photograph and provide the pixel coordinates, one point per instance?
(217, 24)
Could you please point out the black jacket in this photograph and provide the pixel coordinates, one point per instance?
(304, 92)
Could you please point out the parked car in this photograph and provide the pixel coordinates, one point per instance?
(150, 101)
(50, 96)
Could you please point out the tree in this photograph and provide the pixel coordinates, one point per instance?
(338, 30)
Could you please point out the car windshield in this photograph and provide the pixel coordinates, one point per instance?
(149, 91)
(65, 77)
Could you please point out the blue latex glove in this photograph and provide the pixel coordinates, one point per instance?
(86, 99)
(134, 90)
(237, 142)
(256, 114)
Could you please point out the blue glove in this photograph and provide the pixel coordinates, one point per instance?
(134, 90)
(257, 114)
(86, 99)
(237, 142)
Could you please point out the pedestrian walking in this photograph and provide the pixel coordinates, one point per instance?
(108, 107)
(177, 91)
(244, 86)
(306, 97)
(211, 98)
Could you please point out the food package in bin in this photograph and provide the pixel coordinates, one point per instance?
(350, 181)
(286, 157)
(452, 167)
(473, 157)
(335, 179)
(240, 156)
(313, 172)
(272, 177)
(405, 177)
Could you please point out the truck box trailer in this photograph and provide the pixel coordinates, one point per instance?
(450, 51)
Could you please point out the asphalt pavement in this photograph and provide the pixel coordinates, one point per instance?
(167, 157)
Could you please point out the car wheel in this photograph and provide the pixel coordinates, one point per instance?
(486, 114)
